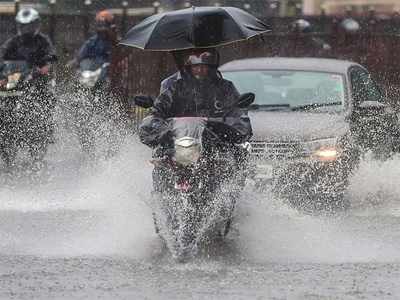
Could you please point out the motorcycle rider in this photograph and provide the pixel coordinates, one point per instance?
(35, 48)
(102, 49)
(30, 44)
(310, 44)
(200, 91)
(178, 58)
(100, 46)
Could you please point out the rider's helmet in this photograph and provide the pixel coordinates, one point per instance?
(28, 21)
(301, 26)
(105, 21)
(202, 63)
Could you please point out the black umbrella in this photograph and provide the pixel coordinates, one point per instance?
(196, 27)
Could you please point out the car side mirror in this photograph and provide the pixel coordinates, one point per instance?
(144, 101)
(369, 109)
(246, 100)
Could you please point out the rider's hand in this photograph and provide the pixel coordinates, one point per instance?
(45, 70)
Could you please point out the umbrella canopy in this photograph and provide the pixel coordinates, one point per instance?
(196, 27)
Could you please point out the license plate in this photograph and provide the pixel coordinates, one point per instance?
(183, 186)
(10, 93)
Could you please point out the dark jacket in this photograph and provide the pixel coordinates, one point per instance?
(168, 82)
(37, 50)
(186, 97)
(97, 48)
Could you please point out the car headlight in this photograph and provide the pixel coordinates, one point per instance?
(187, 151)
(324, 150)
(327, 154)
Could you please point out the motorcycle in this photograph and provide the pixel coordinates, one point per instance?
(26, 111)
(198, 177)
(92, 106)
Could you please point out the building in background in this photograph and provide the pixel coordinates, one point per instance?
(259, 8)
(358, 7)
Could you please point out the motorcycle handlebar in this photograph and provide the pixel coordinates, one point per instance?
(207, 119)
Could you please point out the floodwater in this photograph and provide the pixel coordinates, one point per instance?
(83, 230)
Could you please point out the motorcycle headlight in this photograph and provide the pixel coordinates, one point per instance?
(12, 81)
(187, 151)
(324, 150)
(90, 78)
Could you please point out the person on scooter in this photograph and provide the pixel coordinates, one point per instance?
(178, 56)
(100, 46)
(96, 52)
(199, 92)
(101, 51)
(34, 47)
(37, 51)
(30, 44)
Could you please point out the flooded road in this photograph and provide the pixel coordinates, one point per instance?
(84, 231)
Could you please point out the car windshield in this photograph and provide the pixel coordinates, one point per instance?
(276, 89)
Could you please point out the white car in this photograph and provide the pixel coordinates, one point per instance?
(312, 118)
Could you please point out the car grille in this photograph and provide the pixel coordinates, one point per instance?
(262, 150)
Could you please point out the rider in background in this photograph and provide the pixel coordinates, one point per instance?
(102, 49)
(36, 49)
(100, 46)
(30, 44)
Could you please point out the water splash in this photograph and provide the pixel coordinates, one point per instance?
(270, 231)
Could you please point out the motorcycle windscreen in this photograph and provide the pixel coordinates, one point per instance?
(192, 127)
(89, 64)
(187, 133)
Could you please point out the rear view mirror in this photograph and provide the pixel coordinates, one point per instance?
(144, 101)
(369, 110)
(246, 100)
(370, 107)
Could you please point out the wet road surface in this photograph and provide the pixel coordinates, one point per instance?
(84, 231)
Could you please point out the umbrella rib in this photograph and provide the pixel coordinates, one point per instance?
(248, 37)
(145, 44)
(192, 29)
(155, 26)
(237, 25)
